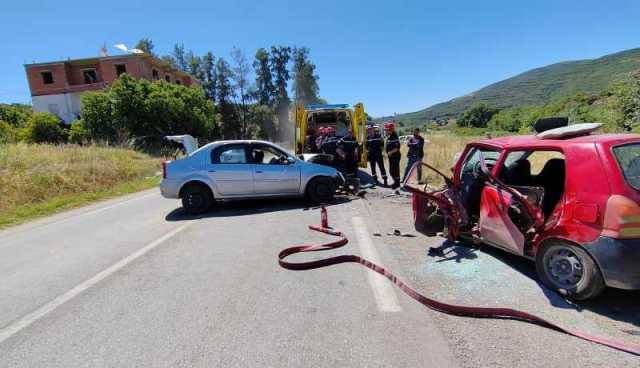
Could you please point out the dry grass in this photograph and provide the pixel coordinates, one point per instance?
(40, 179)
(440, 152)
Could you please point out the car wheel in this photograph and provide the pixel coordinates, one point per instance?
(569, 270)
(321, 190)
(196, 199)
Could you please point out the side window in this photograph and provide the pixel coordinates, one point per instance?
(524, 168)
(266, 155)
(229, 155)
(473, 158)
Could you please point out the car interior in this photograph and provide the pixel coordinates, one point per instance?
(538, 175)
(267, 155)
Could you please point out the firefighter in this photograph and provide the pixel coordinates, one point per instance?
(375, 144)
(322, 134)
(415, 153)
(393, 153)
(347, 153)
(330, 143)
(310, 142)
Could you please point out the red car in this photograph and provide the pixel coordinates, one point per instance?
(569, 204)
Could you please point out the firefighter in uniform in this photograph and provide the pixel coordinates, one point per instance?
(347, 154)
(310, 142)
(415, 153)
(330, 144)
(375, 144)
(393, 153)
(322, 134)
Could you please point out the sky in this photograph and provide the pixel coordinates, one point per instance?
(394, 56)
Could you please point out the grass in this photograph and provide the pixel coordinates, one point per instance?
(39, 180)
(440, 153)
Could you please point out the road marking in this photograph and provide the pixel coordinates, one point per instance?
(383, 292)
(32, 317)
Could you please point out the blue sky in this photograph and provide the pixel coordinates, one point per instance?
(395, 56)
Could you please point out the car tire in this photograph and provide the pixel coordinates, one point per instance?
(570, 270)
(196, 199)
(320, 190)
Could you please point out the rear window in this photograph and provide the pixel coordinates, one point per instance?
(628, 157)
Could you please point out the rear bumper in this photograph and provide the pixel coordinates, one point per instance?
(619, 261)
(170, 188)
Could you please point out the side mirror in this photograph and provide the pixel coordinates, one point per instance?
(289, 160)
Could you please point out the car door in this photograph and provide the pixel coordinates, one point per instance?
(273, 172)
(231, 171)
(510, 216)
(436, 201)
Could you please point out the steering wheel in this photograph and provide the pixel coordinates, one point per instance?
(477, 167)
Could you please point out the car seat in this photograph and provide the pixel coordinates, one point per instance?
(520, 173)
(551, 178)
(258, 156)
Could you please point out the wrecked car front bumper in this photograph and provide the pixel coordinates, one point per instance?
(619, 261)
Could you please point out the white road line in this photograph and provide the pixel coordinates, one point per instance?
(32, 317)
(383, 292)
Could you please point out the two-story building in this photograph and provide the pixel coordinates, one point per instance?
(56, 86)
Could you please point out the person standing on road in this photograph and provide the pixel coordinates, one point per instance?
(347, 152)
(415, 153)
(375, 144)
(393, 153)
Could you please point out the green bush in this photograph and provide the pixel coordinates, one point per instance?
(8, 133)
(78, 132)
(43, 127)
(477, 116)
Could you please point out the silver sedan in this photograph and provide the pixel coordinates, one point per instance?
(244, 169)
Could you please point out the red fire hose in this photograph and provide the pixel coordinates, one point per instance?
(457, 310)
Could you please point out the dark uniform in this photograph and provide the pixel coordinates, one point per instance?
(393, 142)
(310, 144)
(415, 154)
(349, 146)
(329, 146)
(375, 144)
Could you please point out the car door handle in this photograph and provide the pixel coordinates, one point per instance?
(258, 172)
(212, 171)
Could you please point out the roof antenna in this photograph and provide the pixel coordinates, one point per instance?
(103, 50)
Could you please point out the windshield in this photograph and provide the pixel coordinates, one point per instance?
(628, 157)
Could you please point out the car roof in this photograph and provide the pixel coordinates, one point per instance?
(533, 141)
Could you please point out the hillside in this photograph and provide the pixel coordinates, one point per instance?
(538, 86)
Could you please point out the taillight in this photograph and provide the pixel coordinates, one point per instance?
(164, 169)
(621, 218)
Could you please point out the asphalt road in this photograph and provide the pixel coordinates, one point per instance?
(134, 282)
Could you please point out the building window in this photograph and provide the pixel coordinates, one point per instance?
(167, 78)
(154, 74)
(90, 76)
(120, 69)
(178, 81)
(47, 77)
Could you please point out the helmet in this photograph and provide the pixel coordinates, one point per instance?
(389, 125)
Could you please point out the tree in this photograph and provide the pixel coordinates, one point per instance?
(180, 57)
(241, 70)
(265, 90)
(225, 95)
(305, 81)
(97, 116)
(280, 57)
(78, 132)
(194, 63)
(43, 127)
(476, 116)
(209, 75)
(146, 45)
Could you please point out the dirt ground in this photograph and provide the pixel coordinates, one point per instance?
(490, 277)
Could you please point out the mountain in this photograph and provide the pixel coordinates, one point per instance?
(538, 86)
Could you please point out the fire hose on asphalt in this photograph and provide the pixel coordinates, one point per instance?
(457, 310)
